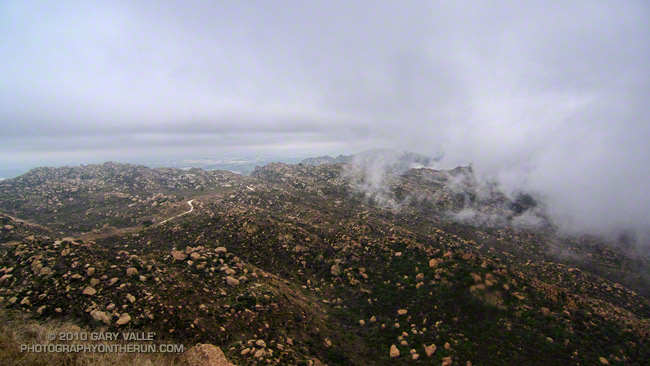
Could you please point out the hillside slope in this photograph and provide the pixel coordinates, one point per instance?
(297, 263)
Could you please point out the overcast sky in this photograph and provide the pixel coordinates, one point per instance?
(550, 96)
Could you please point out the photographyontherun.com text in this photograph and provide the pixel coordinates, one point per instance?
(144, 347)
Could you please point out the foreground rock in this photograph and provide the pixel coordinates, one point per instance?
(124, 319)
(394, 352)
(206, 355)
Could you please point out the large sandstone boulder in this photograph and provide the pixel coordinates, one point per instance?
(206, 355)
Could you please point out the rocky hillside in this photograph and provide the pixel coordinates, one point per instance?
(338, 264)
(79, 199)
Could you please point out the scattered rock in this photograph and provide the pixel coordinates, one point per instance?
(335, 270)
(89, 291)
(206, 355)
(178, 255)
(430, 350)
(232, 281)
(124, 319)
(100, 316)
(394, 352)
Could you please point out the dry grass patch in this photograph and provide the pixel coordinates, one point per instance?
(18, 328)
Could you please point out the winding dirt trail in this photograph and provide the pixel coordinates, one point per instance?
(179, 215)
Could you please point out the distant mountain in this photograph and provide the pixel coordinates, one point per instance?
(320, 160)
(398, 159)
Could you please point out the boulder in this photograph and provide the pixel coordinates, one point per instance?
(394, 352)
(206, 355)
(335, 270)
(100, 316)
(178, 255)
(124, 319)
(430, 350)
